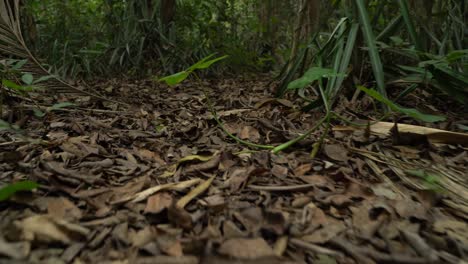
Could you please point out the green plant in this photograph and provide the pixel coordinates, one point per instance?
(9, 190)
(407, 111)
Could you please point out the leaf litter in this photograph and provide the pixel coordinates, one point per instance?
(158, 182)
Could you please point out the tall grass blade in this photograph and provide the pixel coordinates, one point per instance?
(344, 63)
(376, 63)
(390, 29)
(409, 24)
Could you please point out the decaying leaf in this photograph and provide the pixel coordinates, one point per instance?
(243, 248)
(48, 229)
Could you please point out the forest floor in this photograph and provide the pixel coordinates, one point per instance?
(157, 181)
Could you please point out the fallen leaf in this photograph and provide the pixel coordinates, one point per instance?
(433, 135)
(250, 133)
(327, 232)
(158, 202)
(454, 229)
(336, 152)
(302, 169)
(243, 248)
(16, 250)
(47, 229)
(279, 171)
(62, 208)
(195, 192)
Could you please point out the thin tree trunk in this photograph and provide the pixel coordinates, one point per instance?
(168, 11)
(306, 24)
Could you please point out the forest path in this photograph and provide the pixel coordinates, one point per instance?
(159, 182)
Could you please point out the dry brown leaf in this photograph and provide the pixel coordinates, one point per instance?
(62, 208)
(195, 192)
(47, 229)
(433, 135)
(454, 229)
(302, 169)
(169, 245)
(279, 171)
(158, 202)
(16, 250)
(243, 248)
(250, 133)
(336, 152)
(328, 231)
(146, 193)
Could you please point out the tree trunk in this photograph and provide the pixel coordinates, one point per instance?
(168, 11)
(306, 24)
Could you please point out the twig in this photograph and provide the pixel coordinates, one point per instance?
(301, 187)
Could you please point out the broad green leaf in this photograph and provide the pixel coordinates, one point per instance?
(19, 64)
(59, 106)
(38, 113)
(194, 66)
(205, 64)
(9, 190)
(175, 78)
(17, 87)
(4, 125)
(27, 78)
(407, 111)
(313, 74)
(43, 78)
(11, 85)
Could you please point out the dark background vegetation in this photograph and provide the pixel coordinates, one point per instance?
(419, 43)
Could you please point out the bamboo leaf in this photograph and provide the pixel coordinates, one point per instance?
(376, 63)
(176, 78)
(409, 24)
(407, 111)
(313, 74)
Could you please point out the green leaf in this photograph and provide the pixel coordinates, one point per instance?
(27, 78)
(205, 63)
(11, 85)
(38, 112)
(462, 127)
(374, 55)
(409, 24)
(16, 87)
(175, 78)
(43, 78)
(59, 106)
(456, 55)
(19, 64)
(407, 111)
(4, 125)
(9, 190)
(313, 74)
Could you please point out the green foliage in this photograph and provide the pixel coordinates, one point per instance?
(313, 74)
(55, 107)
(4, 125)
(407, 111)
(200, 65)
(374, 55)
(10, 189)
